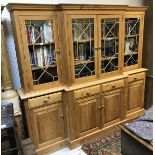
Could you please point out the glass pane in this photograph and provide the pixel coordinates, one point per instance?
(40, 37)
(83, 47)
(131, 41)
(109, 44)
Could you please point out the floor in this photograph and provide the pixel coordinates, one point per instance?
(67, 151)
(28, 149)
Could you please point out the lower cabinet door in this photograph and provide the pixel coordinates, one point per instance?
(135, 96)
(47, 124)
(87, 115)
(112, 104)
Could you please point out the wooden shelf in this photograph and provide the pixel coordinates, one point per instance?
(43, 67)
(76, 62)
(38, 44)
(109, 38)
(135, 35)
(130, 53)
(83, 41)
(108, 58)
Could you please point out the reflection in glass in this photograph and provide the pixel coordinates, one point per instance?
(109, 44)
(40, 38)
(83, 47)
(131, 41)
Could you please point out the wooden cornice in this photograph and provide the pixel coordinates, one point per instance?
(61, 7)
(31, 7)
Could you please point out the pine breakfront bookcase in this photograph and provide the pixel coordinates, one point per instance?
(81, 69)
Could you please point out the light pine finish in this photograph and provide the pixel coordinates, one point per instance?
(62, 18)
(72, 110)
(112, 104)
(135, 92)
(87, 115)
(47, 125)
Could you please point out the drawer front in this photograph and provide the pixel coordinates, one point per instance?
(112, 85)
(136, 77)
(86, 92)
(44, 100)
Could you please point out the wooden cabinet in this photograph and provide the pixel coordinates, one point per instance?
(135, 97)
(37, 44)
(46, 118)
(80, 69)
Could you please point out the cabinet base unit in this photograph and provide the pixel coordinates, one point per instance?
(81, 70)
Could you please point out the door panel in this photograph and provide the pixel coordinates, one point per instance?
(88, 116)
(48, 124)
(112, 103)
(135, 95)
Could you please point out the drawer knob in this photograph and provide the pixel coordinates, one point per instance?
(102, 106)
(99, 107)
(113, 86)
(135, 78)
(88, 93)
(46, 100)
(61, 115)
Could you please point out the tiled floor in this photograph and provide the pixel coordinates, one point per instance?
(67, 151)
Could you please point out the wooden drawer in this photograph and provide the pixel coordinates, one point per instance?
(44, 100)
(112, 85)
(86, 92)
(136, 77)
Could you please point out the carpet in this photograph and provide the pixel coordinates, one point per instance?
(109, 144)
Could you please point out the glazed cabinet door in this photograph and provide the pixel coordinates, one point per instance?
(88, 115)
(41, 53)
(82, 39)
(135, 98)
(133, 36)
(109, 44)
(47, 125)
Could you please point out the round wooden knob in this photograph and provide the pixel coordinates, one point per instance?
(114, 86)
(99, 107)
(46, 100)
(62, 115)
(102, 106)
(88, 93)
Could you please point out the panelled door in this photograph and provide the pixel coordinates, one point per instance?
(112, 106)
(41, 50)
(47, 124)
(135, 97)
(87, 115)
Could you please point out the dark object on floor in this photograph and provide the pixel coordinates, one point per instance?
(137, 136)
(8, 139)
(109, 144)
(143, 126)
(133, 145)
